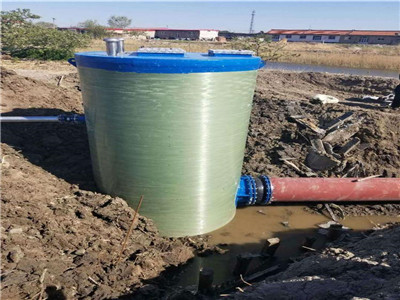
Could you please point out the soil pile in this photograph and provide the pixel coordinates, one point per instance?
(361, 266)
(25, 92)
(274, 135)
(65, 240)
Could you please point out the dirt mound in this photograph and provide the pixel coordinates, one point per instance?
(71, 238)
(359, 266)
(274, 135)
(303, 85)
(25, 92)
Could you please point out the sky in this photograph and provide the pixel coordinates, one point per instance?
(224, 15)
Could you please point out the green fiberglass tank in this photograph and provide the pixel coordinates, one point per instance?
(171, 126)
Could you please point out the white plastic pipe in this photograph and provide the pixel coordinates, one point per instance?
(6, 119)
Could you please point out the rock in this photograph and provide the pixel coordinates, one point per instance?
(339, 121)
(342, 134)
(15, 255)
(329, 149)
(80, 252)
(318, 145)
(16, 230)
(324, 99)
(310, 125)
(285, 223)
(319, 162)
(349, 146)
(370, 98)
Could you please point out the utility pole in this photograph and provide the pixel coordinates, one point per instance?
(252, 21)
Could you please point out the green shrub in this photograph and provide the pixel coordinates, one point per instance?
(96, 32)
(23, 39)
(93, 29)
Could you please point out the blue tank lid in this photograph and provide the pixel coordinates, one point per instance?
(167, 60)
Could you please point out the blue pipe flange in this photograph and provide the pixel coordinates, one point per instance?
(268, 189)
(247, 191)
(253, 191)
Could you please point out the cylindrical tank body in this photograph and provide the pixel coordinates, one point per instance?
(172, 127)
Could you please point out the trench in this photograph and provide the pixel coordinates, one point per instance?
(250, 228)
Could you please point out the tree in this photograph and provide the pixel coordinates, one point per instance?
(94, 29)
(88, 23)
(263, 46)
(21, 38)
(17, 18)
(45, 24)
(96, 32)
(119, 21)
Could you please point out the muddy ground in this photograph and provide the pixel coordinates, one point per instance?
(359, 266)
(61, 238)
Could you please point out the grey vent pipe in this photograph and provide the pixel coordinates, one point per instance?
(114, 46)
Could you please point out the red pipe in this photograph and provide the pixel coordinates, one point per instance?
(335, 189)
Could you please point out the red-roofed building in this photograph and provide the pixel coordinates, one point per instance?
(337, 36)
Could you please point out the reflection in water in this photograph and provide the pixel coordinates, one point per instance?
(253, 225)
(338, 70)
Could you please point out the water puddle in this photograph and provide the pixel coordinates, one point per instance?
(253, 225)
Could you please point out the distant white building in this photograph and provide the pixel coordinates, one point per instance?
(337, 36)
(187, 34)
(208, 34)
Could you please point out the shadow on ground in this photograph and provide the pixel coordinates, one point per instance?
(60, 148)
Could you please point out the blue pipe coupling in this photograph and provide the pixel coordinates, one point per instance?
(71, 118)
(254, 191)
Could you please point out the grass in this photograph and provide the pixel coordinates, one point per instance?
(342, 55)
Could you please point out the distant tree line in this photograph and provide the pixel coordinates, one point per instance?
(23, 38)
(94, 29)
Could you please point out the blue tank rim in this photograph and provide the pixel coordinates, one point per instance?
(166, 63)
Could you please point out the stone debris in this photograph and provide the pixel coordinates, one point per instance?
(329, 149)
(342, 134)
(15, 255)
(270, 246)
(370, 98)
(350, 145)
(320, 162)
(329, 224)
(16, 231)
(285, 223)
(310, 125)
(318, 145)
(339, 121)
(325, 99)
(336, 135)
